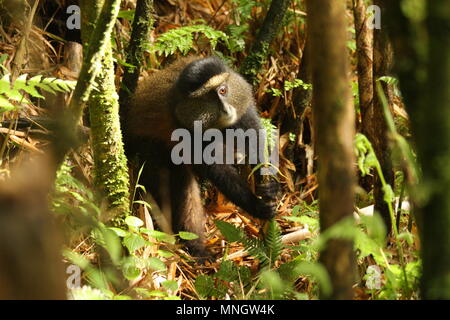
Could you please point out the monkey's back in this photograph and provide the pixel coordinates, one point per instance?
(149, 114)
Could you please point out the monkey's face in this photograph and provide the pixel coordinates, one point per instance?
(211, 93)
(210, 104)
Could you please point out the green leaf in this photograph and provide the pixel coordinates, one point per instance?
(187, 235)
(76, 259)
(318, 272)
(111, 242)
(130, 271)
(407, 236)
(160, 236)
(126, 14)
(389, 80)
(204, 285)
(120, 232)
(367, 246)
(165, 254)
(388, 193)
(171, 285)
(3, 57)
(182, 39)
(152, 293)
(156, 264)
(157, 293)
(133, 242)
(21, 84)
(313, 223)
(5, 105)
(144, 203)
(96, 278)
(228, 271)
(273, 282)
(15, 91)
(296, 210)
(229, 231)
(376, 228)
(134, 221)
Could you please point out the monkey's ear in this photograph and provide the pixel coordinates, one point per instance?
(213, 82)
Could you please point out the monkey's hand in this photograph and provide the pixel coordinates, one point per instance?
(268, 193)
(265, 210)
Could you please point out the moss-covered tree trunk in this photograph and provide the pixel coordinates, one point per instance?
(260, 50)
(334, 132)
(111, 171)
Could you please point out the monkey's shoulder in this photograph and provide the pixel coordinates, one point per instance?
(149, 113)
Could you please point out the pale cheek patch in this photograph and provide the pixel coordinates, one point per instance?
(229, 117)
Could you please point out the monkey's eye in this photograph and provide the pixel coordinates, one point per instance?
(222, 90)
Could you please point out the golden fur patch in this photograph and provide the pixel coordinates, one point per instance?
(214, 82)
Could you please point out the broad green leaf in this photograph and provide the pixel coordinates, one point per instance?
(133, 242)
(204, 285)
(120, 232)
(134, 221)
(156, 264)
(160, 236)
(170, 285)
(5, 105)
(187, 235)
(131, 272)
(165, 254)
(230, 232)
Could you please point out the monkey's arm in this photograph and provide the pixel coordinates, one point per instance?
(228, 181)
(267, 187)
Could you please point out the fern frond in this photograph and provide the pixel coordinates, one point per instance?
(15, 92)
(272, 241)
(182, 39)
(267, 251)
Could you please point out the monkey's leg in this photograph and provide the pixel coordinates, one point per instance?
(229, 182)
(187, 209)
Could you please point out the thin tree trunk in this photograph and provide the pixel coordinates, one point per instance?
(409, 44)
(364, 66)
(382, 62)
(302, 99)
(334, 127)
(422, 63)
(364, 52)
(111, 170)
(269, 30)
(142, 24)
(434, 153)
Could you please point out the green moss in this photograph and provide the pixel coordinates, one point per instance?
(111, 170)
